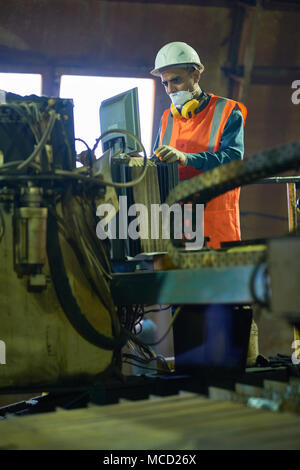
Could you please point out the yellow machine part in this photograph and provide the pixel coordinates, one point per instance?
(41, 345)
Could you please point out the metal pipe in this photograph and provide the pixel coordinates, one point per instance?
(278, 179)
(293, 226)
(292, 207)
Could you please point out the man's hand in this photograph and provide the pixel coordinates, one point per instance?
(168, 154)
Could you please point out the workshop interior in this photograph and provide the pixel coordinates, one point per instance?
(112, 341)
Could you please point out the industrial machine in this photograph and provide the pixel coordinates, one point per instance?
(58, 318)
(65, 315)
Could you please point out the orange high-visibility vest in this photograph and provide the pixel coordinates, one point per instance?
(202, 133)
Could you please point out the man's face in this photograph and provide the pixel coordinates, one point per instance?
(179, 79)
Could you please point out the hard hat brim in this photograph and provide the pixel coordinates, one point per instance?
(157, 72)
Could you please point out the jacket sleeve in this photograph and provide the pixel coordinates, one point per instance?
(231, 147)
(157, 138)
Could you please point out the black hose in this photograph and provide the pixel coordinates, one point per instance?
(66, 298)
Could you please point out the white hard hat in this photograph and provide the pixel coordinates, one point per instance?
(176, 54)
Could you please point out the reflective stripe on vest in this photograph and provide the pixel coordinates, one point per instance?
(220, 105)
(168, 132)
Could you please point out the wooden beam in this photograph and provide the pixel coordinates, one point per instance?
(249, 55)
(265, 75)
(238, 20)
(246, 22)
(198, 3)
(279, 5)
(283, 5)
(50, 82)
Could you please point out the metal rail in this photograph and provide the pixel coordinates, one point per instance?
(190, 286)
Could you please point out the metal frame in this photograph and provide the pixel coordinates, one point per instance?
(232, 285)
(282, 5)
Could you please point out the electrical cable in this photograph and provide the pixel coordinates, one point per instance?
(140, 348)
(42, 142)
(146, 347)
(157, 310)
(89, 245)
(84, 142)
(41, 139)
(105, 256)
(68, 301)
(50, 177)
(34, 119)
(86, 249)
(138, 362)
(86, 155)
(177, 311)
(133, 364)
(13, 164)
(67, 143)
(144, 168)
(61, 174)
(20, 109)
(86, 178)
(138, 359)
(8, 165)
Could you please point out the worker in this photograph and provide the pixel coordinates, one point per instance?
(201, 131)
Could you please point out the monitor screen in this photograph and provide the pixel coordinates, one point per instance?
(121, 112)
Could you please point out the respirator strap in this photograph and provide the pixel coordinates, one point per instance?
(189, 109)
